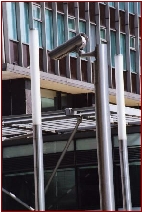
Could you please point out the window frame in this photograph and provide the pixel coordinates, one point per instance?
(103, 39)
(133, 48)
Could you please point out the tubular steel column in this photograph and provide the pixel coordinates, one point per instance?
(103, 130)
(36, 117)
(123, 152)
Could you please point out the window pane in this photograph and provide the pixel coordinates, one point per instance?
(71, 35)
(133, 60)
(71, 23)
(82, 27)
(36, 12)
(92, 37)
(131, 7)
(113, 47)
(61, 29)
(121, 5)
(132, 42)
(103, 34)
(11, 11)
(37, 25)
(47, 98)
(139, 8)
(49, 29)
(123, 49)
(111, 4)
(86, 144)
(25, 22)
(132, 139)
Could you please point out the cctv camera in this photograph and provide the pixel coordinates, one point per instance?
(73, 45)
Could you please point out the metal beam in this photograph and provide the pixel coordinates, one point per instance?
(17, 199)
(79, 120)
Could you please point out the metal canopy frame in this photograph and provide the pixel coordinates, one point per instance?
(15, 127)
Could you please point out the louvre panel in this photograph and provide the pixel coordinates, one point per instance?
(73, 62)
(60, 6)
(92, 11)
(133, 154)
(26, 56)
(71, 9)
(133, 78)
(62, 67)
(122, 21)
(23, 164)
(14, 52)
(82, 10)
(86, 157)
(102, 15)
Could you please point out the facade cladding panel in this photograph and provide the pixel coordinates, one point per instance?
(75, 185)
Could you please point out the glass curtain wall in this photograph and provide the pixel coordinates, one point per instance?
(12, 25)
(49, 29)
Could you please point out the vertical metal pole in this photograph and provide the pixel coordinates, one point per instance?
(123, 152)
(36, 118)
(103, 130)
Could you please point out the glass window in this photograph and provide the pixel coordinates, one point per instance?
(86, 144)
(61, 29)
(113, 46)
(48, 98)
(88, 188)
(72, 32)
(133, 60)
(49, 29)
(92, 39)
(17, 151)
(139, 8)
(25, 22)
(61, 194)
(122, 5)
(56, 146)
(64, 101)
(37, 25)
(103, 33)
(132, 42)
(37, 22)
(132, 140)
(11, 12)
(131, 7)
(71, 23)
(112, 4)
(82, 26)
(36, 12)
(123, 49)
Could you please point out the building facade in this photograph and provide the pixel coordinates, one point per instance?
(68, 82)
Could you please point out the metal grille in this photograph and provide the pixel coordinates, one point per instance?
(57, 122)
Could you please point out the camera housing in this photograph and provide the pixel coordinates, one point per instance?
(75, 44)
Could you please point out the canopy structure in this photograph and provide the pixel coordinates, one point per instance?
(59, 122)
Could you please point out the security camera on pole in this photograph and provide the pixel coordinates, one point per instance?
(103, 129)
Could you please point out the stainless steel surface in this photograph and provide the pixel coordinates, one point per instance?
(17, 199)
(38, 168)
(103, 130)
(125, 179)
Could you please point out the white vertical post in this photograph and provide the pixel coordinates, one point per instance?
(36, 118)
(123, 152)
